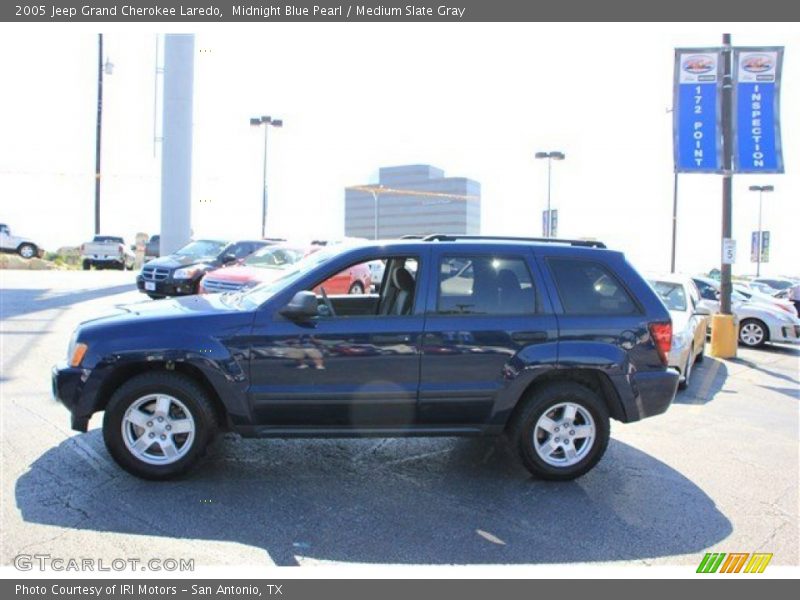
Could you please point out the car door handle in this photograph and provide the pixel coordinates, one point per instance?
(529, 336)
(391, 338)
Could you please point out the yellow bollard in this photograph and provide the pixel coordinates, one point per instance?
(724, 336)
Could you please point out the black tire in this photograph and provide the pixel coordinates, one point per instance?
(687, 370)
(702, 356)
(178, 386)
(755, 324)
(154, 297)
(27, 251)
(356, 288)
(87, 265)
(541, 401)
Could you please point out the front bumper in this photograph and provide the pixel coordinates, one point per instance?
(167, 287)
(68, 386)
(785, 333)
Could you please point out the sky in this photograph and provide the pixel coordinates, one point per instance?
(477, 100)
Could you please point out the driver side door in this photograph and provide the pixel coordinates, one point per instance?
(357, 368)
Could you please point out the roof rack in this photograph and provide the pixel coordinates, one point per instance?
(447, 237)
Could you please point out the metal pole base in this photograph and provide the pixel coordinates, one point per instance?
(724, 336)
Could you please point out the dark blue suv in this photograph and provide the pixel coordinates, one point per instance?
(541, 340)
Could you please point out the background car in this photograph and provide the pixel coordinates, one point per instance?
(267, 265)
(777, 283)
(152, 248)
(25, 247)
(689, 322)
(755, 295)
(179, 274)
(758, 323)
(107, 251)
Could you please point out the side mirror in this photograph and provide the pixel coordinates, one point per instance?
(228, 259)
(303, 307)
(702, 311)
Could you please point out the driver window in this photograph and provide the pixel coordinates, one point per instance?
(380, 286)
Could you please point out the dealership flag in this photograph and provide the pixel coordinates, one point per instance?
(757, 137)
(697, 110)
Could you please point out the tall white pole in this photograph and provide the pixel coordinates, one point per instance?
(176, 157)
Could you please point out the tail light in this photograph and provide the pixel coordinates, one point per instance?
(662, 338)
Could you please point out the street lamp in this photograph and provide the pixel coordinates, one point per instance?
(760, 189)
(550, 156)
(266, 121)
(102, 68)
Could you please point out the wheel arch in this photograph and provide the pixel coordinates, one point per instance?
(593, 379)
(125, 372)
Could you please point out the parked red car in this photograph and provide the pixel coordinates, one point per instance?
(267, 265)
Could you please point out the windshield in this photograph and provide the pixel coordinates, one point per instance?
(272, 257)
(107, 238)
(256, 296)
(202, 249)
(673, 294)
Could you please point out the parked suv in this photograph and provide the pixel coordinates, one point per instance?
(23, 246)
(542, 341)
(179, 274)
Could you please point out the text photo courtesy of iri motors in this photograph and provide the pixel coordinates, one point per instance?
(362, 291)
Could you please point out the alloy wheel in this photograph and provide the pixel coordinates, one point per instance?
(564, 434)
(158, 429)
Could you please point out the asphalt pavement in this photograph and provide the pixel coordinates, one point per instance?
(718, 472)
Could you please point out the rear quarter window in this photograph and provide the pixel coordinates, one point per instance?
(590, 288)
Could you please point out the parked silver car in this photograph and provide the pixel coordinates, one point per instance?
(689, 322)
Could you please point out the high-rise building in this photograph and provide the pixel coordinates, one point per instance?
(412, 199)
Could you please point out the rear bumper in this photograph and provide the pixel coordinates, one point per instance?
(68, 389)
(648, 393)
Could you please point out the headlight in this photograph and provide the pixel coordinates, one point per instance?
(76, 354)
(188, 272)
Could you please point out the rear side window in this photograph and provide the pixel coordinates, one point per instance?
(589, 288)
(485, 285)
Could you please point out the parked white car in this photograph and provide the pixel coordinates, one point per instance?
(689, 322)
(756, 296)
(758, 323)
(25, 247)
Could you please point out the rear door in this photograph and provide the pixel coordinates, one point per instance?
(486, 323)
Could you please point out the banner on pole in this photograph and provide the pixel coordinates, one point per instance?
(550, 224)
(697, 110)
(764, 247)
(756, 101)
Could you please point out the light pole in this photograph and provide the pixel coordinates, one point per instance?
(267, 122)
(550, 156)
(102, 68)
(760, 189)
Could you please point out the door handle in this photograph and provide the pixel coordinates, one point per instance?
(391, 338)
(529, 336)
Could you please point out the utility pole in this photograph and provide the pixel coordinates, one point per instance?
(727, 165)
(98, 141)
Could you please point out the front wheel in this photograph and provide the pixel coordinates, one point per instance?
(158, 424)
(357, 288)
(753, 333)
(687, 370)
(87, 265)
(26, 250)
(561, 432)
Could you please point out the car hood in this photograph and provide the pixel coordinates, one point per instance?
(175, 261)
(167, 309)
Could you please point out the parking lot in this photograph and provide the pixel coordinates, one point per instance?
(718, 472)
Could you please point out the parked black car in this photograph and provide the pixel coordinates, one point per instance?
(179, 274)
(544, 342)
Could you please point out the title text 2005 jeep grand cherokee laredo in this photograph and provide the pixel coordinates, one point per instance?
(468, 336)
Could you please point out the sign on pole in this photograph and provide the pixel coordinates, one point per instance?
(550, 224)
(697, 110)
(728, 251)
(765, 246)
(757, 133)
(754, 247)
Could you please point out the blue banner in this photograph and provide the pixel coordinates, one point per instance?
(757, 134)
(697, 111)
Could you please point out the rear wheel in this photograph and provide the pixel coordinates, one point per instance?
(753, 333)
(561, 431)
(158, 424)
(87, 265)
